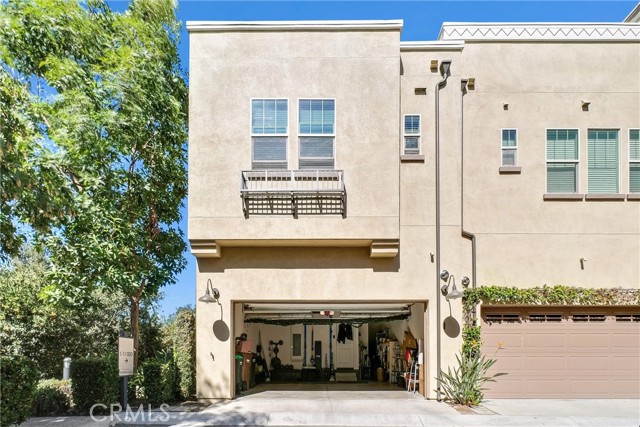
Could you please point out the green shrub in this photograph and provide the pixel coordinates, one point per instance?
(158, 381)
(184, 351)
(94, 381)
(464, 384)
(18, 379)
(52, 397)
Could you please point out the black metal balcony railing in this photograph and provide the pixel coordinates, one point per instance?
(293, 192)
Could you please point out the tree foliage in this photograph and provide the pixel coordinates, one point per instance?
(93, 144)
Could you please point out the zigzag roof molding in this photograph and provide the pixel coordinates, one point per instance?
(540, 31)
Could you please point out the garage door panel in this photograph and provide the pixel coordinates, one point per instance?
(559, 353)
(545, 363)
(544, 342)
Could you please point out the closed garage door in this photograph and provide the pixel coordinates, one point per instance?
(562, 352)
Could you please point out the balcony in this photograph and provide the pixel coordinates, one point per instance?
(293, 192)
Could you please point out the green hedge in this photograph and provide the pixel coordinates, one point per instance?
(184, 351)
(52, 397)
(18, 379)
(94, 381)
(158, 381)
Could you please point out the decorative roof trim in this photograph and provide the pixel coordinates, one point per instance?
(540, 31)
(432, 45)
(218, 26)
(634, 15)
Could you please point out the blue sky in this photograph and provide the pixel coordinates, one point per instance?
(422, 21)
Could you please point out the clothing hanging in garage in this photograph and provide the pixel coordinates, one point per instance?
(345, 332)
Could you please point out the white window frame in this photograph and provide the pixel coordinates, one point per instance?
(318, 135)
(547, 161)
(270, 135)
(631, 161)
(587, 162)
(515, 148)
(405, 135)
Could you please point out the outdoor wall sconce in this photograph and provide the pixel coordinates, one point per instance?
(585, 105)
(454, 293)
(582, 261)
(207, 297)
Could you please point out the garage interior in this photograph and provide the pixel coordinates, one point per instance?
(379, 344)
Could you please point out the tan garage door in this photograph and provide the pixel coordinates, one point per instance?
(561, 352)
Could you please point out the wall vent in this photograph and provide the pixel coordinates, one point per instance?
(545, 317)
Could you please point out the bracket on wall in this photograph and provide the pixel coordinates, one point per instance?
(384, 248)
(205, 249)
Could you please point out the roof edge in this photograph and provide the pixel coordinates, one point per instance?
(336, 25)
(634, 15)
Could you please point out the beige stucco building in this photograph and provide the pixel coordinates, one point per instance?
(335, 171)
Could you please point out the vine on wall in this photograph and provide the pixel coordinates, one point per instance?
(545, 295)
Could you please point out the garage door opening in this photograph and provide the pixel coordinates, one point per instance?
(329, 346)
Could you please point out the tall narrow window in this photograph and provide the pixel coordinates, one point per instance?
(562, 160)
(317, 133)
(602, 155)
(411, 134)
(509, 147)
(634, 161)
(269, 125)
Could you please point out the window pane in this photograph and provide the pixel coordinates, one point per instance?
(634, 144)
(316, 116)
(269, 116)
(509, 157)
(316, 153)
(562, 144)
(561, 177)
(634, 178)
(411, 145)
(412, 124)
(602, 152)
(508, 137)
(269, 153)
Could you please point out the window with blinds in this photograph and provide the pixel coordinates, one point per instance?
(316, 127)
(509, 147)
(562, 161)
(634, 161)
(412, 134)
(602, 161)
(269, 128)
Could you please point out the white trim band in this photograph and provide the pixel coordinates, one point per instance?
(432, 45)
(199, 26)
(540, 31)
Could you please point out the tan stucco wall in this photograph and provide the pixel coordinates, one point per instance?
(522, 239)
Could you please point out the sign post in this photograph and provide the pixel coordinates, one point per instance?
(125, 366)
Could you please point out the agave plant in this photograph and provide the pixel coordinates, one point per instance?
(463, 384)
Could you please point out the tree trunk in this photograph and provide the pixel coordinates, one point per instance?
(135, 329)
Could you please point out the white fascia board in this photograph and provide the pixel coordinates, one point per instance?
(448, 45)
(538, 31)
(217, 26)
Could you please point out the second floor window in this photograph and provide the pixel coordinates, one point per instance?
(509, 147)
(602, 155)
(634, 161)
(562, 161)
(411, 134)
(316, 130)
(269, 128)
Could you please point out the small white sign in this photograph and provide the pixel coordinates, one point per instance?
(125, 356)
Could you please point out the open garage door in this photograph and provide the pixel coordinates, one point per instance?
(331, 342)
(563, 352)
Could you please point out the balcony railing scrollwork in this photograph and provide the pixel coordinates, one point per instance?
(293, 192)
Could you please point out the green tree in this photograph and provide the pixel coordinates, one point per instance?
(46, 334)
(99, 136)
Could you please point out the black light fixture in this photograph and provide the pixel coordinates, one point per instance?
(454, 293)
(207, 297)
